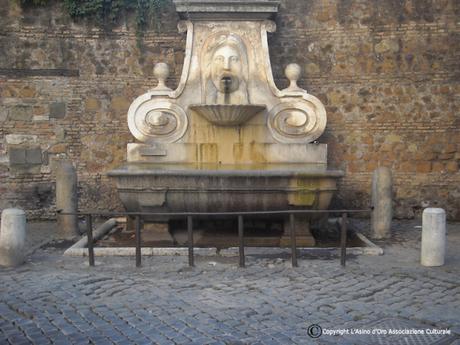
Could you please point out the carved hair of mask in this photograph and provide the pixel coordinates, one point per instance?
(226, 66)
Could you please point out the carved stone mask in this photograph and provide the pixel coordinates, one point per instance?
(226, 68)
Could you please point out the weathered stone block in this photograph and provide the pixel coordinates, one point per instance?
(423, 167)
(59, 132)
(3, 114)
(3, 160)
(27, 92)
(452, 166)
(34, 156)
(17, 156)
(451, 148)
(446, 156)
(92, 104)
(38, 118)
(58, 148)
(57, 110)
(312, 68)
(21, 113)
(120, 103)
(18, 139)
(438, 167)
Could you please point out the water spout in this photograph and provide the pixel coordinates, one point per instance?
(227, 84)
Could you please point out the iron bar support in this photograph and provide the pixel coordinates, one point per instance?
(138, 227)
(191, 259)
(241, 240)
(89, 234)
(235, 213)
(343, 240)
(138, 241)
(293, 241)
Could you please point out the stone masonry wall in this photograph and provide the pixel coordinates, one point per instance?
(388, 72)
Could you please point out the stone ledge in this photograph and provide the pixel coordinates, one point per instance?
(370, 249)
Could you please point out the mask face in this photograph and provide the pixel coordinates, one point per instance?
(226, 69)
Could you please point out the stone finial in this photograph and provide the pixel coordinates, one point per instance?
(293, 72)
(161, 72)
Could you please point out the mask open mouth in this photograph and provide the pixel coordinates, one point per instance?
(228, 83)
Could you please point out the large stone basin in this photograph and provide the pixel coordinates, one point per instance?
(147, 187)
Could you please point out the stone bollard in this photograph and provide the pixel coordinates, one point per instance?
(12, 237)
(66, 199)
(433, 237)
(382, 198)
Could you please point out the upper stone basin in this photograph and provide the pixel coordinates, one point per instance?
(227, 114)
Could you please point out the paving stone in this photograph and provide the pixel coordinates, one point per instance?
(99, 340)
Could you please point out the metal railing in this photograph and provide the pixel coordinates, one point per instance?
(189, 218)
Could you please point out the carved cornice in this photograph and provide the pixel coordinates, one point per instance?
(226, 10)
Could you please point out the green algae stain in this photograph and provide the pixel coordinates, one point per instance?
(304, 191)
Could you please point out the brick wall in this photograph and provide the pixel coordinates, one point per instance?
(388, 72)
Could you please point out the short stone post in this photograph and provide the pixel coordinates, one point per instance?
(382, 198)
(66, 199)
(12, 237)
(433, 237)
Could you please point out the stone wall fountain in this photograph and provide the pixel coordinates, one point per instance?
(227, 139)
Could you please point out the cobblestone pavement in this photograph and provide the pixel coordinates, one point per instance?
(60, 300)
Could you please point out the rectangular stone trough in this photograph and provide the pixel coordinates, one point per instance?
(150, 187)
